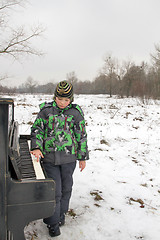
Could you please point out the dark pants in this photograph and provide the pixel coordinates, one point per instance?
(62, 175)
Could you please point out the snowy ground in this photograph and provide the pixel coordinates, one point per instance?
(117, 196)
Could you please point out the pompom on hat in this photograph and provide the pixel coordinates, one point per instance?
(64, 89)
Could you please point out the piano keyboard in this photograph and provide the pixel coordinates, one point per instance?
(30, 168)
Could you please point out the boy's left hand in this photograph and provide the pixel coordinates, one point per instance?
(82, 165)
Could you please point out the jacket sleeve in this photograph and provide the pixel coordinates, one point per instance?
(81, 136)
(38, 132)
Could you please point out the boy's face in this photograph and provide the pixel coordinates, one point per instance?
(62, 102)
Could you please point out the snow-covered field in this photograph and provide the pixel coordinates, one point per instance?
(117, 196)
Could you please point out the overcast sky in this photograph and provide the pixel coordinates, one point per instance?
(79, 33)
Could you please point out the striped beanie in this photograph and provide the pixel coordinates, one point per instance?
(64, 89)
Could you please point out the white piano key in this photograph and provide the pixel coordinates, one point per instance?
(37, 167)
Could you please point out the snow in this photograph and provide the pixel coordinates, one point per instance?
(117, 196)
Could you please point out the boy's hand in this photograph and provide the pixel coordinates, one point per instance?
(82, 165)
(37, 153)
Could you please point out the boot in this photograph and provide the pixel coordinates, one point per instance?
(54, 230)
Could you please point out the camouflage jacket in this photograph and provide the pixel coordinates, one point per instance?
(60, 133)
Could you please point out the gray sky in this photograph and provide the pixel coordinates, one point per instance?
(79, 33)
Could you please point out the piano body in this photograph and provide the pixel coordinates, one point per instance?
(24, 197)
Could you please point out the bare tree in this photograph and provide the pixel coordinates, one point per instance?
(19, 43)
(156, 56)
(16, 42)
(126, 80)
(110, 70)
(72, 78)
(30, 84)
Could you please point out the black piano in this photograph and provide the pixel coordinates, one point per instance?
(23, 196)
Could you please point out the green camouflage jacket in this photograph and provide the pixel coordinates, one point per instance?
(60, 133)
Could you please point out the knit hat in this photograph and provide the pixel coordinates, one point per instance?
(64, 89)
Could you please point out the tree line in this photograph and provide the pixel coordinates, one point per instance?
(124, 79)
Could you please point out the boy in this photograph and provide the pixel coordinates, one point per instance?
(58, 136)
